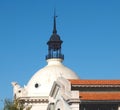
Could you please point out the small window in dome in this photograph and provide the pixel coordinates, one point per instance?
(19, 91)
(36, 85)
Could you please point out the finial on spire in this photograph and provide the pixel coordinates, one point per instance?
(54, 26)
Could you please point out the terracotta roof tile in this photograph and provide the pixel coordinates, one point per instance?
(95, 82)
(100, 96)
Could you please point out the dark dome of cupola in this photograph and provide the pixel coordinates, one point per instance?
(55, 37)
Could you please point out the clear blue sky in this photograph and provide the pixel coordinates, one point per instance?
(90, 30)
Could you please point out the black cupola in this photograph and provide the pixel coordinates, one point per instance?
(54, 44)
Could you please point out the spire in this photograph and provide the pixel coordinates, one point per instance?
(54, 26)
(54, 44)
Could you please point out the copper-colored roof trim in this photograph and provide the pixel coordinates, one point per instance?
(95, 82)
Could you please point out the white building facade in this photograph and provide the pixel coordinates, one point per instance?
(56, 87)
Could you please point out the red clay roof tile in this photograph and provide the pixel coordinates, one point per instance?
(92, 96)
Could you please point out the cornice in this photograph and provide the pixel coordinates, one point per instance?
(43, 99)
(113, 86)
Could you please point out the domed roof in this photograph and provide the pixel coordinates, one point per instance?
(41, 82)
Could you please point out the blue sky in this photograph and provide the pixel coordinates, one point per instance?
(90, 30)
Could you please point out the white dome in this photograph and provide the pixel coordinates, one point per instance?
(41, 82)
